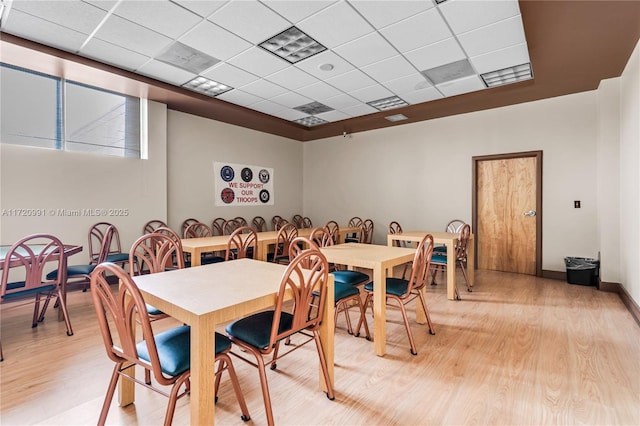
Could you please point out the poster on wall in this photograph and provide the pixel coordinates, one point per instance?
(242, 185)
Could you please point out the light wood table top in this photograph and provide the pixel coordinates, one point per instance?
(449, 239)
(212, 294)
(380, 259)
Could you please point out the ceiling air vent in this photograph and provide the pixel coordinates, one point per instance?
(292, 45)
(508, 75)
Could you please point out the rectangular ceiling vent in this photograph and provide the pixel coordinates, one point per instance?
(292, 45)
(313, 108)
(387, 103)
(449, 72)
(187, 58)
(508, 75)
(310, 121)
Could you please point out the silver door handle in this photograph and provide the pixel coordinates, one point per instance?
(530, 213)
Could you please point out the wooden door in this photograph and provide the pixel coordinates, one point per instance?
(507, 212)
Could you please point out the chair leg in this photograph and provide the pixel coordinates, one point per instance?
(265, 388)
(274, 365)
(406, 325)
(173, 398)
(147, 376)
(109, 396)
(426, 311)
(65, 312)
(1, 354)
(464, 274)
(225, 361)
(36, 311)
(44, 307)
(363, 318)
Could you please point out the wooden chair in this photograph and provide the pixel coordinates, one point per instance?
(306, 222)
(439, 261)
(96, 236)
(241, 221)
(201, 230)
(274, 221)
(334, 229)
(164, 230)
(243, 242)
(356, 237)
(297, 220)
(259, 335)
(217, 226)
(367, 231)
(286, 234)
(280, 223)
(165, 355)
(395, 228)
(404, 291)
(22, 273)
(186, 224)
(259, 224)
(151, 226)
(230, 226)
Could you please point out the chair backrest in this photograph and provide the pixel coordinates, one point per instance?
(421, 265)
(97, 234)
(242, 242)
(241, 221)
(395, 228)
(286, 234)
(280, 223)
(321, 237)
(455, 226)
(297, 220)
(355, 222)
(29, 257)
(151, 226)
(275, 220)
(367, 231)
(230, 226)
(217, 226)
(186, 224)
(197, 230)
(463, 240)
(334, 229)
(306, 280)
(118, 312)
(155, 252)
(306, 222)
(259, 224)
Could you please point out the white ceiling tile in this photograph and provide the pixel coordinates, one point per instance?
(319, 91)
(165, 72)
(292, 78)
(291, 99)
(422, 95)
(32, 28)
(229, 75)
(419, 30)
(464, 85)
(493, 37)
(258, 61)
(296, 11)
(290, 114)
(371, 93)
(250, 20)
(267, 107)
(366, 50)
(499, 59)
(434, 55)
(335, 25)
(390, 69)
(380, 14)
(341, 102)
(350, 81)
(201, 7)
(239, 97)
(124, 33)
(407, 84)
(358, 110)
(161, 16)
(102, 4)
(466, 15)
(312, 65)
(333, 116)
(74, 15)
(226, 44)
(112, 54)
(263, 88)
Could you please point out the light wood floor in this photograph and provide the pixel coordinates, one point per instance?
(519, 350)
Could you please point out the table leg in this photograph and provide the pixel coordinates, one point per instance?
(126, 388)
(451, 270)
(421, 316)
(471, 262)
(202, 372)
(196, 258)
(327, 333)
(379, 310)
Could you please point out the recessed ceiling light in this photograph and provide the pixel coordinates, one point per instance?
(387, 103)
(326, 67)
(206, 86)
(187, 58)
(292, 45)
(508, 75)
(313, 108)
(397, 117)
(310, 121)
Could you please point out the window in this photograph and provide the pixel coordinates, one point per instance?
(44, 111)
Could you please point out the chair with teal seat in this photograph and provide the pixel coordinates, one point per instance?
(165, 354)
(152, 225)
(404, 291)
(439, 261)
(354, 237)
(96, 236)
(334, 229)
(202, 230)
(22, 272)
(452, 227)
(217, 226)
(367, 234)
(396, 228)
(259, 335)
(285, 235)
(243, 243)
(259, 224)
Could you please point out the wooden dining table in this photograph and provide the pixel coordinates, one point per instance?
(211, 295)
(449, 239)
(381, 259)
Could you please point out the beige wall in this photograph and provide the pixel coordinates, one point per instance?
(420, 174)
(194, 143)
(32, 178)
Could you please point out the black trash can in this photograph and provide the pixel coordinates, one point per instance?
(582, 270)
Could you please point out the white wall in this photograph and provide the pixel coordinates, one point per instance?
(630, 176)
(420, 174)
(194, 143)
(34, 178)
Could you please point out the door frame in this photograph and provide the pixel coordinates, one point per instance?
(474, 199)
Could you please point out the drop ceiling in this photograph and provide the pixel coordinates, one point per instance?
(373, 59)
